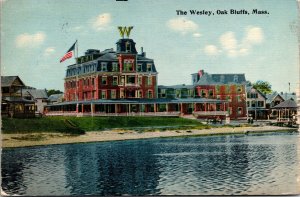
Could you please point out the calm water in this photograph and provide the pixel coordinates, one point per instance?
(236, 164)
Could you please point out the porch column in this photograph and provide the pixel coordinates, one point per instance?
(195, 107)
(82, 110)
(116, 108)
(129, 108)
(167, 107)
(155, 107)
(181, 107)
(92, 109)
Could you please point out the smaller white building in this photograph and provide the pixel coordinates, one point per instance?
(39, 96)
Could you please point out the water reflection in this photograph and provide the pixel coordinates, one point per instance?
(240, 164)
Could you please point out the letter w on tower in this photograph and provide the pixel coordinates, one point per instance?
(124, 30)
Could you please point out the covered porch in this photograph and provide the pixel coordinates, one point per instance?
(139, 107)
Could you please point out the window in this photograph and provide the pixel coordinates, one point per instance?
(104, 80)
(104, 66)
(203, 93)
(113, 94)
(140, 80)
(149, 67)
(235, 78)
(115, 67)
(115, 80)
(239, 98)
(163, 93)
(131, 79)
(103, 94)
(139, 94)
(149, 81)
(93, 94)
(93, 81)
(230, 110)
(128, 47)
(178, 93)
(128, 65)
(121, 93)
(253, 104)
(139, 68)
(211, 93)
(228, 98)
(248, 103)
(5, 90)
(190, 93)
(218, 97)
(260, 104)
(253, 95)
(150, 95)
(222, 78)
(217, 89)
(240, 111)
(122, 80)
(239, 89)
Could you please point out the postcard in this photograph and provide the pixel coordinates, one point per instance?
(132, 97)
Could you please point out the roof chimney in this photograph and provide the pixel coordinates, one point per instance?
(143, 54)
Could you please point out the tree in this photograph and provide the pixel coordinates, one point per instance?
(263, 86)
(52, 91)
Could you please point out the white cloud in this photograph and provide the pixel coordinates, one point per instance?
(197, 35)
(30, 40)
(254, 35)
(49, 51)
(101, 22)
(234, 48)
(211, 50)
(228, 41)
(183, 25)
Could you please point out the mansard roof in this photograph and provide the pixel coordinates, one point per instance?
(215, 79)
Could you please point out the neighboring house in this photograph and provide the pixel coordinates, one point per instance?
(39, 96)
(273, 99)
(13, 104)
(55, 98)
(256, 103)
(227, 87)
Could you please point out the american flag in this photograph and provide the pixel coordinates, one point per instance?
(69, 53)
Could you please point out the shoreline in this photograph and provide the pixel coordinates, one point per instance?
(54, 138)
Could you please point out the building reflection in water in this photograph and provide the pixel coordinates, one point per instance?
(112, 168)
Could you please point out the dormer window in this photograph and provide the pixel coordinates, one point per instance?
(149, 67)
(128, 46)
(139, 68)
(104, 66)
(235, 78)
(222, 79)
(115, 67)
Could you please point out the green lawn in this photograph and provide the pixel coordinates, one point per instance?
(80, 125)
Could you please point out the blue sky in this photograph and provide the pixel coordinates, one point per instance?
(35, 35)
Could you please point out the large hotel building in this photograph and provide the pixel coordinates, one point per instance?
(124, 82)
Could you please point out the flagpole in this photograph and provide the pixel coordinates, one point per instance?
(77, 83)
